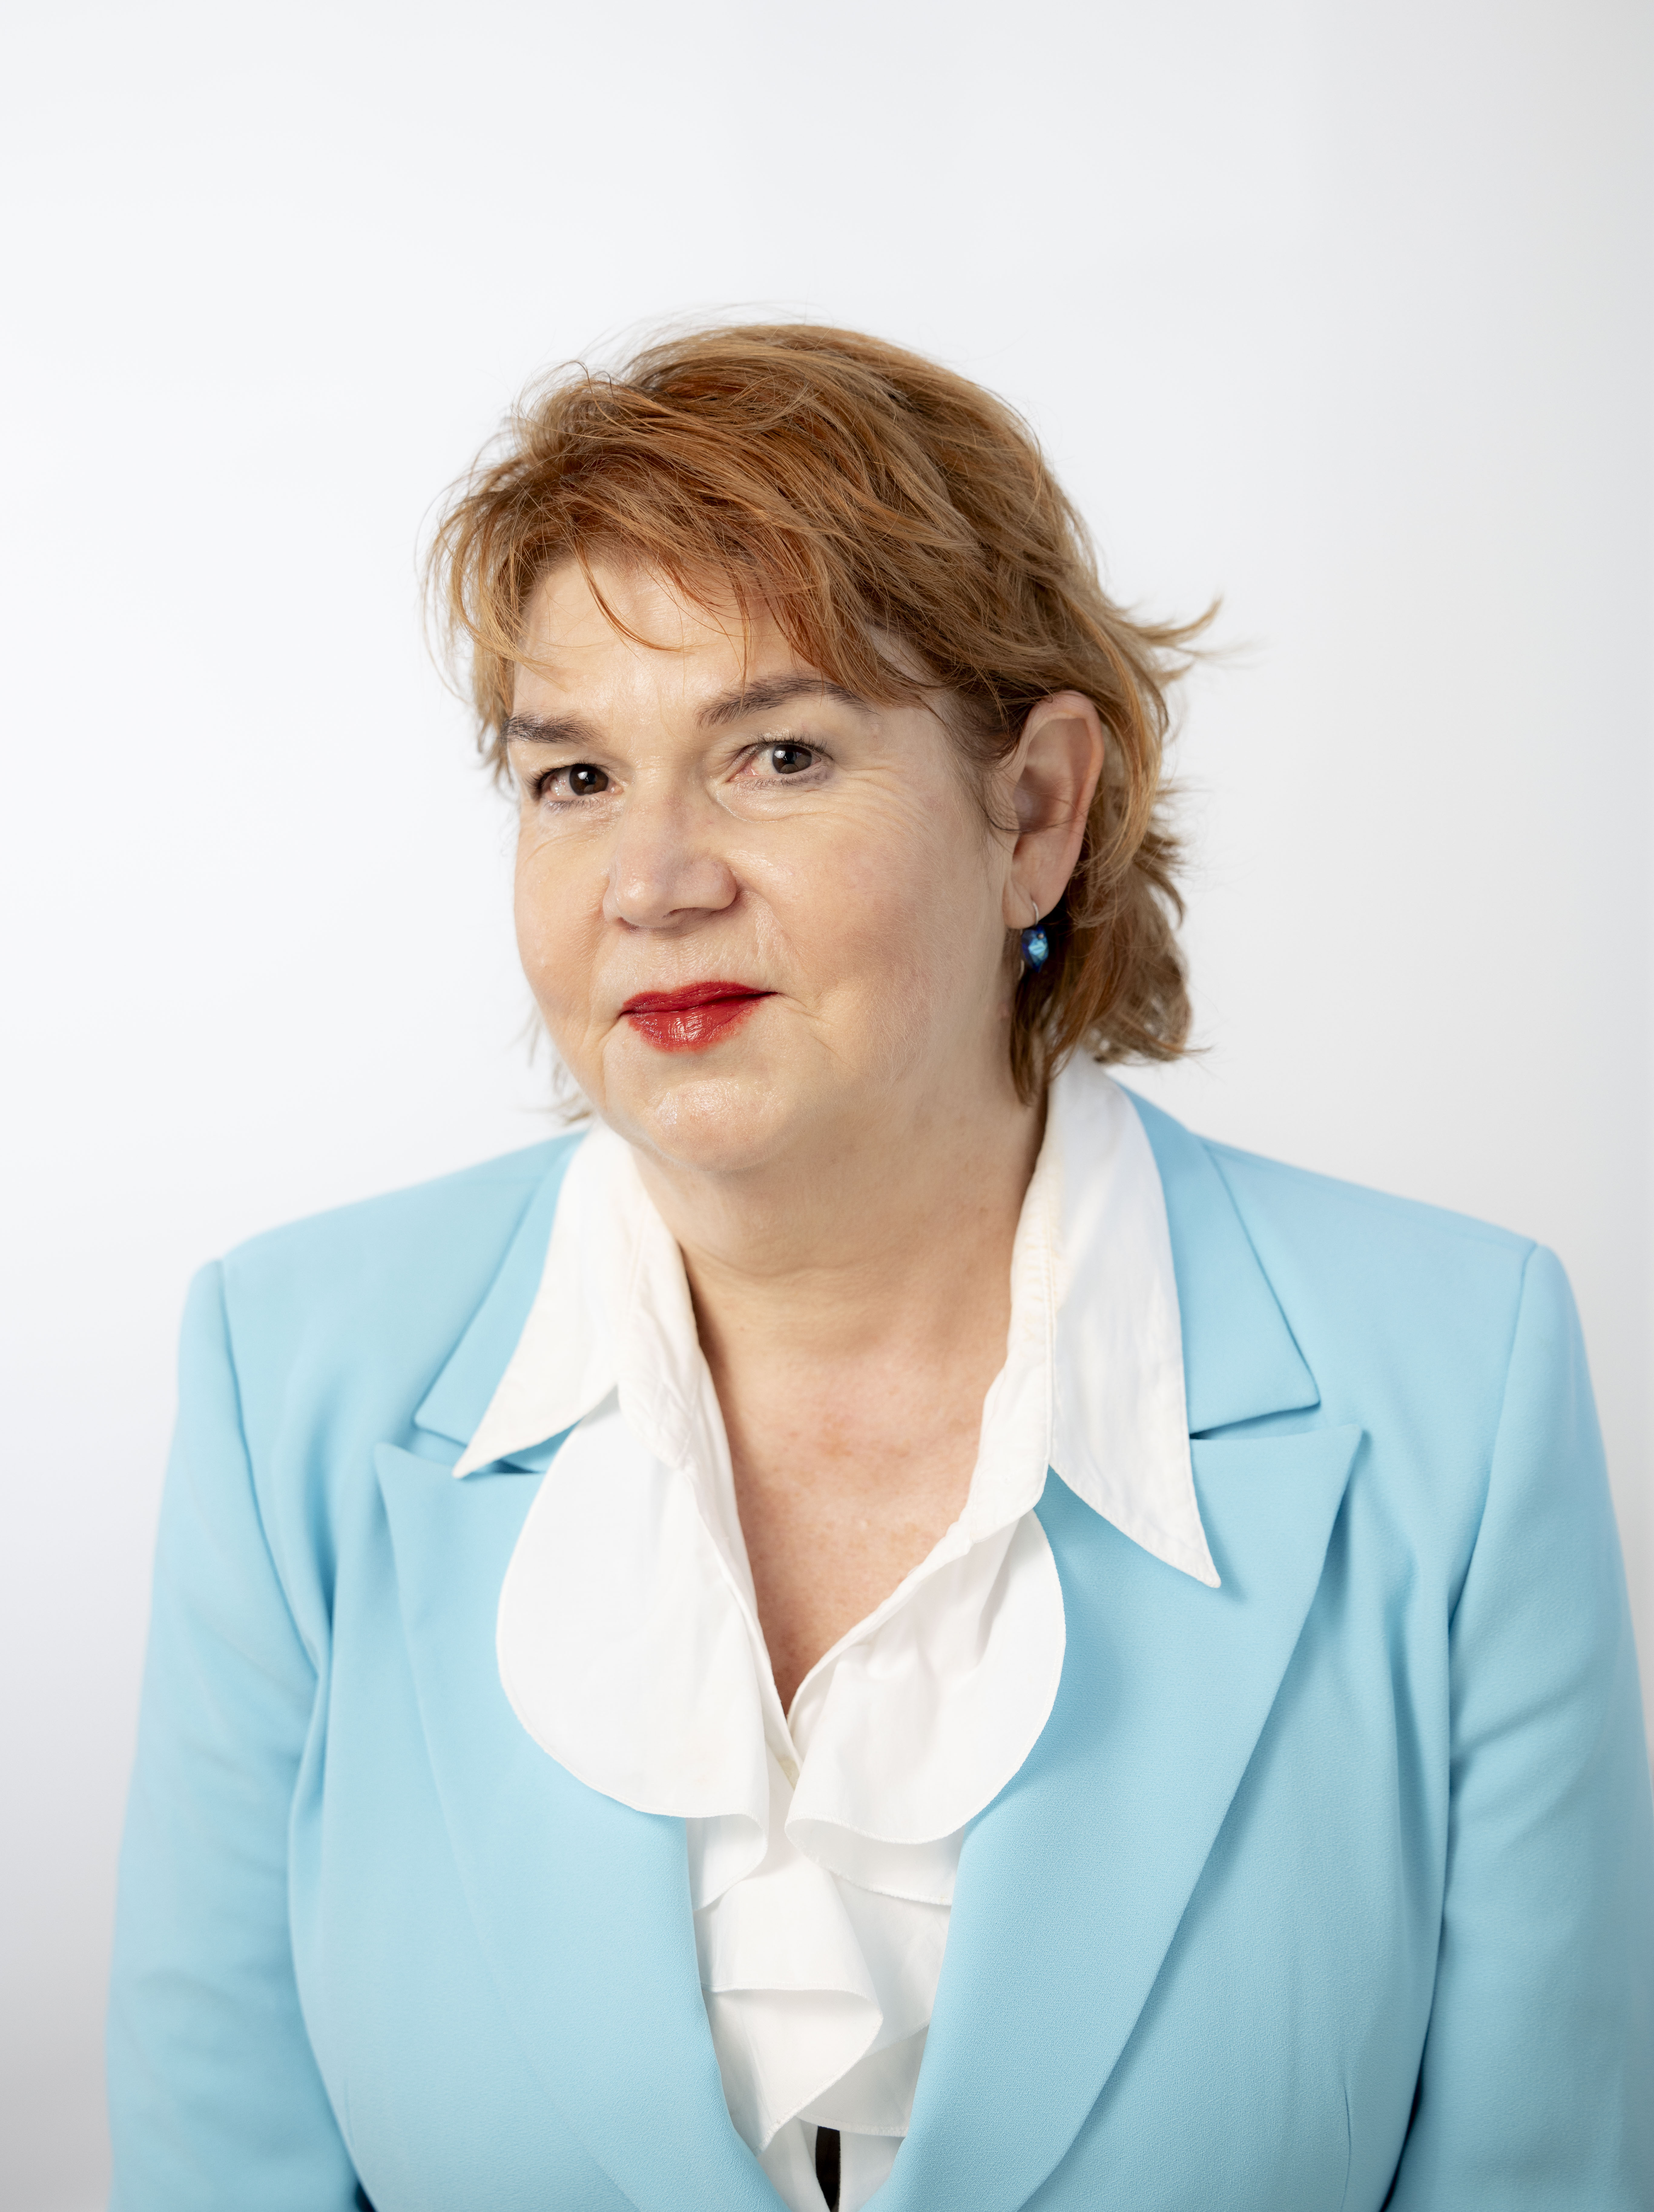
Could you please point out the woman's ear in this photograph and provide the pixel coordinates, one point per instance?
(1052, 777)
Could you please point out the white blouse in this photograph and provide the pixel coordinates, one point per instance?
(823, 1841)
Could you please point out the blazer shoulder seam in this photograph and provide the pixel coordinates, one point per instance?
(255, 1497)
(1445, 1218)
(1497, 1430)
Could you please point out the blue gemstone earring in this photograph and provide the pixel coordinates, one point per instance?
(1036, 946)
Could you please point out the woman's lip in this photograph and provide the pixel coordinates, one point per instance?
(691, 994)
(691, 1019)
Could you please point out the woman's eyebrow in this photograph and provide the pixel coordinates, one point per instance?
(729, 706)
(554, 730)
(760, 698)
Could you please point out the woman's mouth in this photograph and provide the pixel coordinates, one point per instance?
(690, 1019)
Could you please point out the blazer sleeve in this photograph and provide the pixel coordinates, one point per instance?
(213, 2091)
(1537, 2084)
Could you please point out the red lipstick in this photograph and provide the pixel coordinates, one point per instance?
(690, 1019)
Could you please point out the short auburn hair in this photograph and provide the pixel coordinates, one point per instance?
(865, 497)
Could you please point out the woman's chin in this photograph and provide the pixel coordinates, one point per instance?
(716, 1120)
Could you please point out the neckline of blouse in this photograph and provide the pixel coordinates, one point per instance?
(1092, 1387)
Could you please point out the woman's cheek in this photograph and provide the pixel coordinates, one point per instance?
(908, 943)
(555, 949)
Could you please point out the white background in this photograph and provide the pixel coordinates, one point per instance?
(1338, 309)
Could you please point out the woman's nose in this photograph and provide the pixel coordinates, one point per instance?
(666, 866)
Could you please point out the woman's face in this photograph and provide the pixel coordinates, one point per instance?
(762, 919)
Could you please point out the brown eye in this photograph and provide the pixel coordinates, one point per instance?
(585, 782)
(791, 759)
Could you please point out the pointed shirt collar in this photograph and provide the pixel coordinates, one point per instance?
(1095, 1356)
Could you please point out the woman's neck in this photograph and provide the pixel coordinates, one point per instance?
(865, 1249)
(852, 1313)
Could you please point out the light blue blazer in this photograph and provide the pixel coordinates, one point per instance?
(1330, 1888)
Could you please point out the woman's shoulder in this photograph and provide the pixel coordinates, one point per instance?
(1420, 1324)
(1376, 1289)
(1362, 1250)
(1320, 1207)
(1451, 1345)
(1320, 1219)
(429, 1221)
(393, 1280)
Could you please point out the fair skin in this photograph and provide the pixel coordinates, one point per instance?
(841, 1152)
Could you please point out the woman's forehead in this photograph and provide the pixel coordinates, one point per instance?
(608, 631)
(586, 605)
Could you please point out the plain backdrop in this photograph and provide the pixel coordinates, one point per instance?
(1341, 310)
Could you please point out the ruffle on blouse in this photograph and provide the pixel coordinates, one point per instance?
(822, 1856)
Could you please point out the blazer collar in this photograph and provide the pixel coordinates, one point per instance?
(1240, 1360)
(458, 1399)
(592, 1295)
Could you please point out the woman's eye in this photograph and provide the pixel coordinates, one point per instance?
(789, 760)
(582, 780)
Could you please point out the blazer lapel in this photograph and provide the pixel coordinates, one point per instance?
(581, 1906)
(1072, 1883)
(1240, 1361)
(457, 1401)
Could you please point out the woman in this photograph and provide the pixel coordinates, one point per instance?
(885, 1622)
